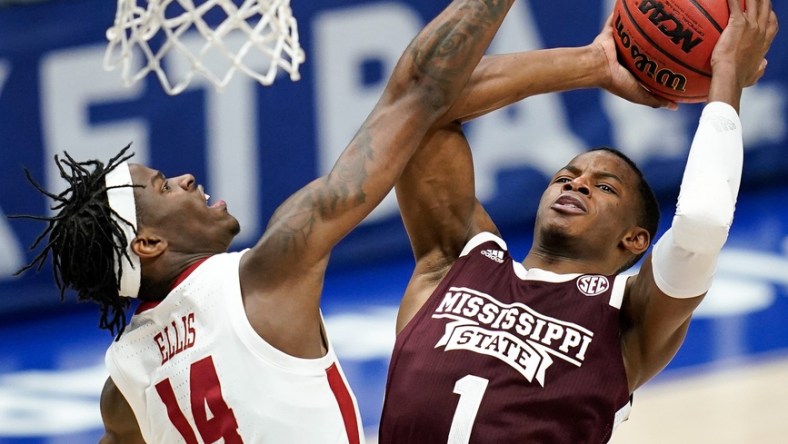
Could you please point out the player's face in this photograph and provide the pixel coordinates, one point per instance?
(177, 209)
(591, 202)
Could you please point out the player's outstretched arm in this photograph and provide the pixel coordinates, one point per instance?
(284, 271)
(661, 298)
(439, 209)
(120, 425)
(425, 82)
(503, 79)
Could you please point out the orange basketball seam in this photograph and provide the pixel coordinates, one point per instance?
(682, 97)
(707, 15)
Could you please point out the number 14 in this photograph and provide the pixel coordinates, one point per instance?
(213, 418)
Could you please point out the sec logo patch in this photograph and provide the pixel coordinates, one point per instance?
(593, 285)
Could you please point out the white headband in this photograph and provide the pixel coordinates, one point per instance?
(121, 200)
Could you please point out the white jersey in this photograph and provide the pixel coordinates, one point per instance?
(193, 370)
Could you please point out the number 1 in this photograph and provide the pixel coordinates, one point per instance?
(471, 390)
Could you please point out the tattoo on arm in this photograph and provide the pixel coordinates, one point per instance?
(440, 58)
(339, 191)
(449, 49)
(350, 173)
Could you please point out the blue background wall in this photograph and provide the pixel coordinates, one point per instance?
(253, 146)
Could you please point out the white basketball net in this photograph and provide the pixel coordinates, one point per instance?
(213, 38)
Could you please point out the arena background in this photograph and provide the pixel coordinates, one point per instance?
(253, 146)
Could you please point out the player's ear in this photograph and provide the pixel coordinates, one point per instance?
(148, 245)
(636, 240)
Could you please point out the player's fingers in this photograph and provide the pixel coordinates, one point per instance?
(668, 104)
(645, 97)
(755, 76)
(607, 28)
(772, 27)
(656, 101)
(764, 10)
(762, 67)
(608, 22)
(758, 74)
(735, 8)
(752, 8)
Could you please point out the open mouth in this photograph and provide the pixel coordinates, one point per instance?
(567, 203)
(217, 204)
(207, 197)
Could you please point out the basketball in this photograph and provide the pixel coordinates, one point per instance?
(667, 44)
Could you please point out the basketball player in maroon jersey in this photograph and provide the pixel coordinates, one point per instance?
(550, 349)
(232, 346)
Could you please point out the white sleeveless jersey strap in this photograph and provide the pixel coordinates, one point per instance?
(481, 238)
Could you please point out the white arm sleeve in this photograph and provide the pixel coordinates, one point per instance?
(685, 257)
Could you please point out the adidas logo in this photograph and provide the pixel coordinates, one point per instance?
(496, 255)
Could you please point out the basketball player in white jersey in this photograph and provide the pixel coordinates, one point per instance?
(550, 349)
(232, 346)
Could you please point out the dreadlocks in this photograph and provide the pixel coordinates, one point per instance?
(83, 237)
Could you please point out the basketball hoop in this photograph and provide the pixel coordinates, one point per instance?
(212, 38)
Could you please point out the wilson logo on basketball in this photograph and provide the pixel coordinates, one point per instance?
(642, 63)
(593, 285)
(669, 25)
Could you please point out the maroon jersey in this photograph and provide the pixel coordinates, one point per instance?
(501, 354)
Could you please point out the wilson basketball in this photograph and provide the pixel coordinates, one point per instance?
(667, 44)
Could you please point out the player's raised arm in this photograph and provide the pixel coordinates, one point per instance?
(661, 298)
(427, 79)
(503, 79)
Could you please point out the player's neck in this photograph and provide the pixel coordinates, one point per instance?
(563, 263)
(160, 275)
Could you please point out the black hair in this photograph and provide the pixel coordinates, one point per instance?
(84, 238)
(648, 216)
